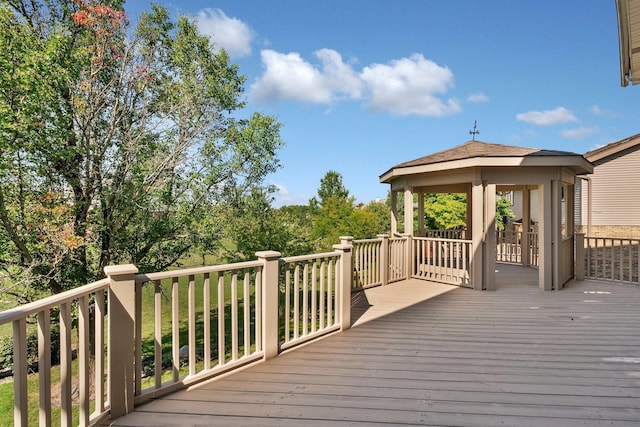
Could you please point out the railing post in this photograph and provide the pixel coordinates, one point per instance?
(121, 350)
(579, 264)
(270, 302)
(383, 262)
(346, 280)
(408, 261)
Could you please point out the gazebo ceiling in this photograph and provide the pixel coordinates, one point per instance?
(484, 154)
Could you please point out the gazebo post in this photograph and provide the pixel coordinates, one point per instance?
(545, 233)
(421, 231)
(469, 219)
(526, 219)
(477, 220)
(394, 213)
(556, 229)
(408, 211)
(490, 238)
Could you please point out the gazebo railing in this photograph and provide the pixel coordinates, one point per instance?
(509, 246)
(442, 260)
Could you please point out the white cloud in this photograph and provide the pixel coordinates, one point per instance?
(578, 133)
(339, 76)
(477, 98)
(409, 86)
(404, 86)
(548, 118)
(284, 197)
(600, 112)
(231, 34)
(290, 77)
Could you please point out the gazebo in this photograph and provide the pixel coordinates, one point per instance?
(480, 170)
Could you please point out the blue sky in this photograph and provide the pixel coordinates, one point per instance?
(361, 86)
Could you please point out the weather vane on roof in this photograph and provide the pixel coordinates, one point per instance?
(475, 131)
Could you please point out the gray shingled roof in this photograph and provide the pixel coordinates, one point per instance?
(473, 149)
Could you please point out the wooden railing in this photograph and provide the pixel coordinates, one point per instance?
(442, 260)
(211, 323)
(509, 246)
(612, 259)
(534, 248)
(456, 234)
(368, 263)
(379, 261)
(197, 324)
(399, 259)
(79, 368)
(311, 297)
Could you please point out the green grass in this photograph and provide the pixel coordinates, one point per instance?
(6, 399)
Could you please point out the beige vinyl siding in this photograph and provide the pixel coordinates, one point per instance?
(579, 208)
(616, 190)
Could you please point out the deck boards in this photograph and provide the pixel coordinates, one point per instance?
(517, 357)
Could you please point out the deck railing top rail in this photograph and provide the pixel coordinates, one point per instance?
(52, 301)
(197, 270)
(439, 239)
(303, 258)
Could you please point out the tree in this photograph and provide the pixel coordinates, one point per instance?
(445, 211)
(116, 148)
(257, 226)
(335, 214)
(503, 212)
(449, 211)
(331, 186)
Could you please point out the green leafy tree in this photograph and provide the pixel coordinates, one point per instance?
(380, 218)
(297, 219)
(503, 212)
(449, 211)
(116, 148)
(335, 214)
(445, 211)
(257, 226)
(331, 187)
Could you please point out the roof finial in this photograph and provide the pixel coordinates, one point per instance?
(475, 131)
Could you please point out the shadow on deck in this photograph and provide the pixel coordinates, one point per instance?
(427, 354)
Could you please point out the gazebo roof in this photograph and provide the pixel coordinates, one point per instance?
(485, 154)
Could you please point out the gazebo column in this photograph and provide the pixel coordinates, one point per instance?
(490, 238)
(570, 201)
(556, 230)
(545, 233)
(477, 226)
(469, 219)
(421, 231)
(394, 213)
(526, 219)
(408, 211)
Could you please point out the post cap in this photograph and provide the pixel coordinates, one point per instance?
(343, 247)
(118, 270)
(268, 254)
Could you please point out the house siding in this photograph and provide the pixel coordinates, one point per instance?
(616, 190)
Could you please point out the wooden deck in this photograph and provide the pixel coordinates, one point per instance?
(515, 357)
